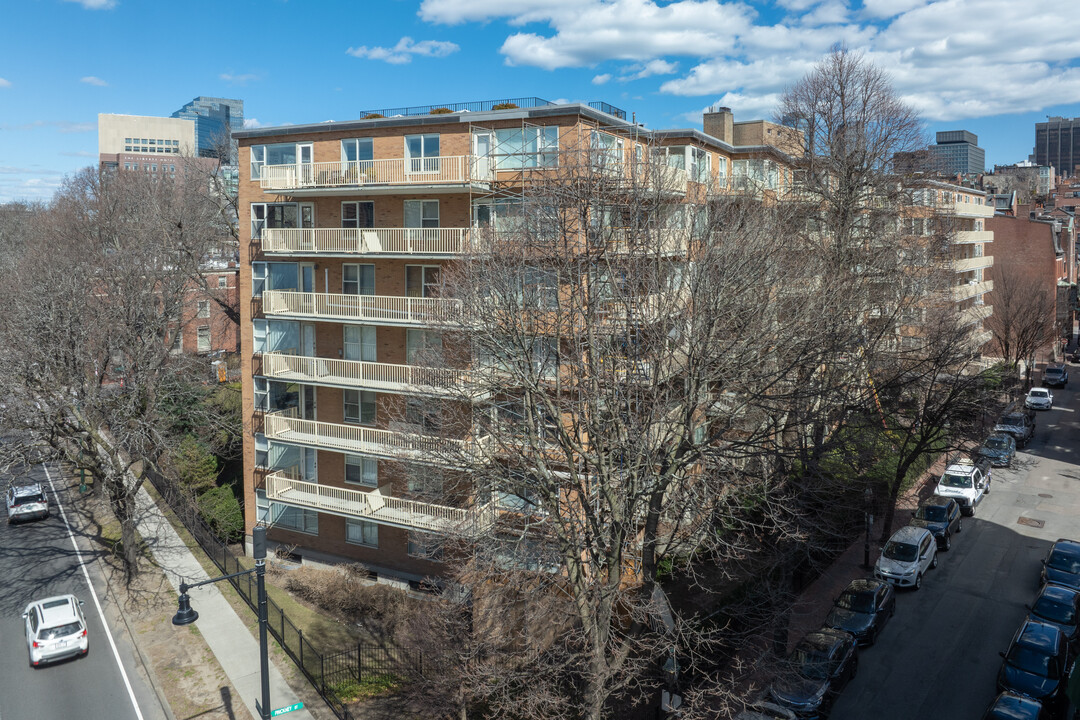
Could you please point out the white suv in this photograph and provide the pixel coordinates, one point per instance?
(55, 629)
(966, 482)
(26, 502)
(910, 552)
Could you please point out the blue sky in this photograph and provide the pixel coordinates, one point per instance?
(994, 67)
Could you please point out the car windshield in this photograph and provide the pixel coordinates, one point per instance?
(811, 663)
(996, 443)
(29, 499)
(1012, 420)
(901, 552)
(956, 481)
(931, 513)
(1065, 561)
(1039, 393)
(1032, 661)
(862, 602)
(1055, 609)
(59, 631)
(1053, 371)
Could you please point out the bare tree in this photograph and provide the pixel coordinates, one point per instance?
(94, 302)
(1024, 313)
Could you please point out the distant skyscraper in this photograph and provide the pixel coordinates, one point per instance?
(957, 151)
(1057, 144)
(215, 118)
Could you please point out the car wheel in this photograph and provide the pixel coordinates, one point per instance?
(933, 563)
(948, 546)
(959, 524)
(918, 581)
(987, 487)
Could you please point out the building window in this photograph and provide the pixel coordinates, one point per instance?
(359, 406)
(360, 470)
(361, 532)
(423, 347)
(285, 516)
(422, 152)
(425, 545)
(357, 279)
(517, 148)
(422, 281)
(273, 215)
(204, 309)
(279, 154)
(222, 282)
(421, 213)
(203, 339)
(356, 150)
(357, 214)
(177, 345)
(360, 343)
(423, 413)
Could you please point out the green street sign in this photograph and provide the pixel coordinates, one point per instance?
(286, 709)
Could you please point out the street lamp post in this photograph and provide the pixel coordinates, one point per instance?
(868, 520)
(185, 614)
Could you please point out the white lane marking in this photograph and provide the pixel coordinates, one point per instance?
(86, 574)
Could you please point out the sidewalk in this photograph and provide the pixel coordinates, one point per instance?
(228, 637)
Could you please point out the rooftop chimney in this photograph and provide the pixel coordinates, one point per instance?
(720, 123)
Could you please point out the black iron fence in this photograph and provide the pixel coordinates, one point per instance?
(337, 677)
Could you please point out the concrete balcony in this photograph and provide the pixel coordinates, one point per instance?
(974, 236)
(976, 314)
(360, 440)
(373, 309)
(380, 242)
(972, 263)
(430, 174)
(376, 506)
(353, 374)
(967, 210)
(624, 241)
(970, 290)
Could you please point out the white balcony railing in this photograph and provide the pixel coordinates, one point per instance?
(373, 505)
(976, 314)
(378, 309)
(451, 170)
(974, 236)
(356, 439)
(970, 290)
(967, 210)
(650, 242)
(383, 377)
(972, 263)
(366, 241)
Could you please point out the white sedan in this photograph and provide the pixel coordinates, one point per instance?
(1039, 398)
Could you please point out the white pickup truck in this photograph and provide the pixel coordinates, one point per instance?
(965, 481)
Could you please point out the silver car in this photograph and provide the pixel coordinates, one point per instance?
(55, 629)
(26, 502)
(910, 552)
(1039, 398)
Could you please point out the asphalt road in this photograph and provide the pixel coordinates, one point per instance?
(938, 657)
(38, 559)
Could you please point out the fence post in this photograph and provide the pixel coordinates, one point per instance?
(359, 654)
(300, 633)
(282, 627)
(322, 673)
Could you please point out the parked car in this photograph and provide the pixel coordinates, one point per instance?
(966, 482)
(1036, 664)
(1056, 375)
(910, 552)
(1060, 606)
(820, 666)
(55, 629)
(1018, 424)
(941, 516)
(27, 502)
(998, 450)
(1039, 398)
(763, 710)
(1014, 706)
(1062, 564)
(862, 609)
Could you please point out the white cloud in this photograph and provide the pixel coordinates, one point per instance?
(601, 79)
(233, 79)
(96, 4)
(404, 50)
(91, 80)
(4, 83)
(250, 122)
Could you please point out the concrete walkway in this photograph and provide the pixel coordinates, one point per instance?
(227, 635)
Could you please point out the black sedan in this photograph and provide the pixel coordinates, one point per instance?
(1062, 564)
(1013, 706)
(863, 608)
(1059, 605)
(819, 667)
(941, 516)
(1036, 664)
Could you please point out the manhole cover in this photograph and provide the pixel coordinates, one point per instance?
(1030, 522)
(1045, 495)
